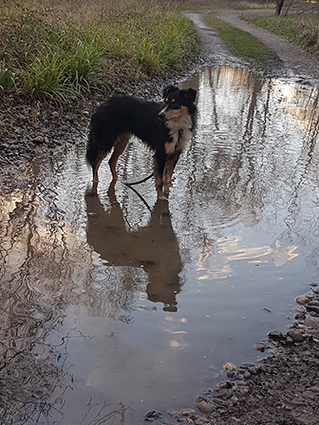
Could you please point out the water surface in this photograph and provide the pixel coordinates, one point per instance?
(117, 304)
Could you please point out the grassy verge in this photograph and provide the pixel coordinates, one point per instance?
(63, 49)
(301, 29)
(241, 43)
(226, 4)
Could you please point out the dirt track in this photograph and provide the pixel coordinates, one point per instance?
(293, 61)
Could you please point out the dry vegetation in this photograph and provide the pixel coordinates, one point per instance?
(61, 49)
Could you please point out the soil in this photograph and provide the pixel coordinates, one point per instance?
(284, 387)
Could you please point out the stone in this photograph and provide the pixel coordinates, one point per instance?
(313, 307)
(204, 405)
(312, 322)
(253, 370)
(302, 300)
(259, 347)
(173, 414)
(152, 415)
(38, 140)
(224, 384)
(277, 335)
(229, 366)
(188, 412)
(222, 393)
(295, 336)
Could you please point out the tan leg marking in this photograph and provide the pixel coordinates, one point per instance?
(119, 146)
(169, 169)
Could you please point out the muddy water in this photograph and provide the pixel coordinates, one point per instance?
(118, 304)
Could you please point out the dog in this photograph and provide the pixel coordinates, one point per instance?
(165, 127)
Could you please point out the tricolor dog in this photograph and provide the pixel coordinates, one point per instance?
(165, 127)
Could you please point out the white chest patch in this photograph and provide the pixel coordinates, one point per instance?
(180, 132)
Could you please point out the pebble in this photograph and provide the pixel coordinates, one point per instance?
(295, 336)
(302, 300)
(173, 413)
(152, 415)
(222, 393)
(188, 412)
(38, 140)
(312, 322)
(204, 405)
(224, 384)
(253, 370)
(247, 375)
(259, 347)
(313, 307)
(229, 366)
(277, 335)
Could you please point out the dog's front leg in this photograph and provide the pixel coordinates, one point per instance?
(159, 164)
(170, 163)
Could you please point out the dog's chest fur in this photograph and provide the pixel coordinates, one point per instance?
(180, 132)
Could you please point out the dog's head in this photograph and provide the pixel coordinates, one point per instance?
(177, 103)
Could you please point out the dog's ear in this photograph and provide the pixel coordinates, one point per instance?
(169, 89)
(191, 93)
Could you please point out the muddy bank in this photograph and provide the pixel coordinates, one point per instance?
(282, 389)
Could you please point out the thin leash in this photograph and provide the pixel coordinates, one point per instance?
(140, 181)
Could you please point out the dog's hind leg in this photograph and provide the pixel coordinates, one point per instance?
(95, 167)
(119, 146)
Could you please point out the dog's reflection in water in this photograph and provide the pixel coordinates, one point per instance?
(154, 247)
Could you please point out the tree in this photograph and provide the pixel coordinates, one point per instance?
(279, 5)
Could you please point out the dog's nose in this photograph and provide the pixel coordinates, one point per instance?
(162, 115)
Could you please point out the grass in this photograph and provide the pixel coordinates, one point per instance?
(226, 4)
(301, 29)
(241, 43)
(63, 49)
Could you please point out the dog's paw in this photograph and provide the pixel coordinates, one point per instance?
(162, 197)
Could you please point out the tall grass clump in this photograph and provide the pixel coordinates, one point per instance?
(65, 48)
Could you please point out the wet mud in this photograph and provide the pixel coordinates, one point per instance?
(116, 305)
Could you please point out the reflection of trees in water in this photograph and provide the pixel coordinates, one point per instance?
(32, 271)
(44, 267)
(255, 140)
(112, 291)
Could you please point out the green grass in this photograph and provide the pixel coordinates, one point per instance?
(241, 43)
(74, 47)
(300, 29)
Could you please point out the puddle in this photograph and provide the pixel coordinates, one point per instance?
(115, 305)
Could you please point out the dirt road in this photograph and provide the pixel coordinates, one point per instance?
(293, 61)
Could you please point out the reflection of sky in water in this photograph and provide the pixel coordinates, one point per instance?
(148, 298)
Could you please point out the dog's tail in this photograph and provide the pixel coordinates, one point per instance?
(91, 152)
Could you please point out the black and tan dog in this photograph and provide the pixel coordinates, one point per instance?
(165, 127)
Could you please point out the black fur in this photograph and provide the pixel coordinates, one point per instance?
(165, 127)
